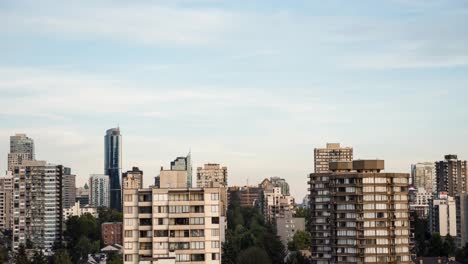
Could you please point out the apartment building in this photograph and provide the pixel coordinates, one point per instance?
(176, 224)
(332, 152)
(111, 233)
(78, 210)
(212, 175)
(442, 215)
(287, 226)
(184, 164)
(461, 202)
(275, 182)
(99, 192)
(6, 192)
(423, 175)
(420, 201)
(276, 204)
(248, 196)
(451, 175)
(21, 148)
(69, 188)
(37, 204)
(359, 214)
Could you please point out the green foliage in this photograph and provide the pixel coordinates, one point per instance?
(297, 258)
(421, 236)
(435, 245)
(61, 257)
(115, 258)
(301, 241)
(39, 258)
(461, 255)
(20, 256)
(247, 230)
(449, 246)
(3, 253)
(253, 255)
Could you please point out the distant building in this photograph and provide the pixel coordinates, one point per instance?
(275, 182)
(276, 205)
(68, 188)
(451, 175)
(172, 178)
(157, 181)
(37, 204)
(6, 193)
(184, 164)
(442, 216)
(82, 195)
(287, 226)
(21, 148)
(111, 233)
(423, 175)
(420, 202)
(113, 166)
(359, 214)
(461, 202)
(212, 175)
(248, 196)
(333, 152)
(137, 178)
(99, 190)
(78, 210)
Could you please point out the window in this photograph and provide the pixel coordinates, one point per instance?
(128, 245)
(197, 245)
(182, 257)
(214, 244)
(215, 256)
(214, 208)
(197, 233)
(215, 220)
(215, 232)
(215, 196)
(128, 257)
(128, 222)
(128, 198)
(160, 197)
(197, 257)
(161, 233)
(128, 210)
(128, 233)
(197, 221)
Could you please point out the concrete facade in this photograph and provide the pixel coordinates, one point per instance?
(6, 193)
(451, 175)
(359, 214)
(99, 193)
(212, 175)
(423, 175)
(69, 190)
(332, 152)
(443, 218)
(287, 226)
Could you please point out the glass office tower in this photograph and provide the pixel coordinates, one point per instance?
(113, 165)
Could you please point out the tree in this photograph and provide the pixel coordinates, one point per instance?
(435, 245)
(61, 257)
(254, 255)
(39, 257)
(449, 246)
(114, 258)
(301, 241)
(20, 256)
(3, 254)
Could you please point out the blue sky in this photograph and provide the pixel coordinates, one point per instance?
(253, 85)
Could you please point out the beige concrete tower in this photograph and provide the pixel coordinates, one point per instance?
(333, 152)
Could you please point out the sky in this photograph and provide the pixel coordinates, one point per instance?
(252, 85)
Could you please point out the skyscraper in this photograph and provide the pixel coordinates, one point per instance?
(184, 164)
(212, 175)
(6, 192)
(37, 204)
(99, 192)
(21, 148)
(333, 152)
(113, 165)
(359, 214)
(423, 176)
(69, 188)
(451, 175)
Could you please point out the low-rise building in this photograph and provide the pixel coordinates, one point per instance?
(78, 210)
(287, 226)
(111, 233)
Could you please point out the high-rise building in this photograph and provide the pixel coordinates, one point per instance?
(451, 175)
(359, 214)
(21, 148)
(184, 164)
(276, 204)
(420, 201)
(442, 215)
(423, 175)
(212, 175)
(136, 176)
(333, 152)
(275, 182)
(287, 225)
(6, 192)
(69, 188)
(113, 165)
(37, 204)
(99, 190)
(462, 219)
(247, 196)
(177, 224)
(82, 195)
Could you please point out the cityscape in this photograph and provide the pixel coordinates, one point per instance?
(355, 212)
(233, 132)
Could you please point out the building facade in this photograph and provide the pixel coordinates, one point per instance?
(111, 233)
(443, 217)
(461, 202)
(21, 148)
(359, 214)
(423, 176)
(69, 189)
(248, 196)
(82, 195)
(185, 225)
(99, 193)
(78, 210)
(287, 226)
(420, 201)
(277, 205)
(37, 204)
(332, 152)
(6, 193)
(136, 176)
(212, 175)
(113, 166)
(451, 175)
(184, 164)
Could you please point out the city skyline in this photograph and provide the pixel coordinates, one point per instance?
(253, 86)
